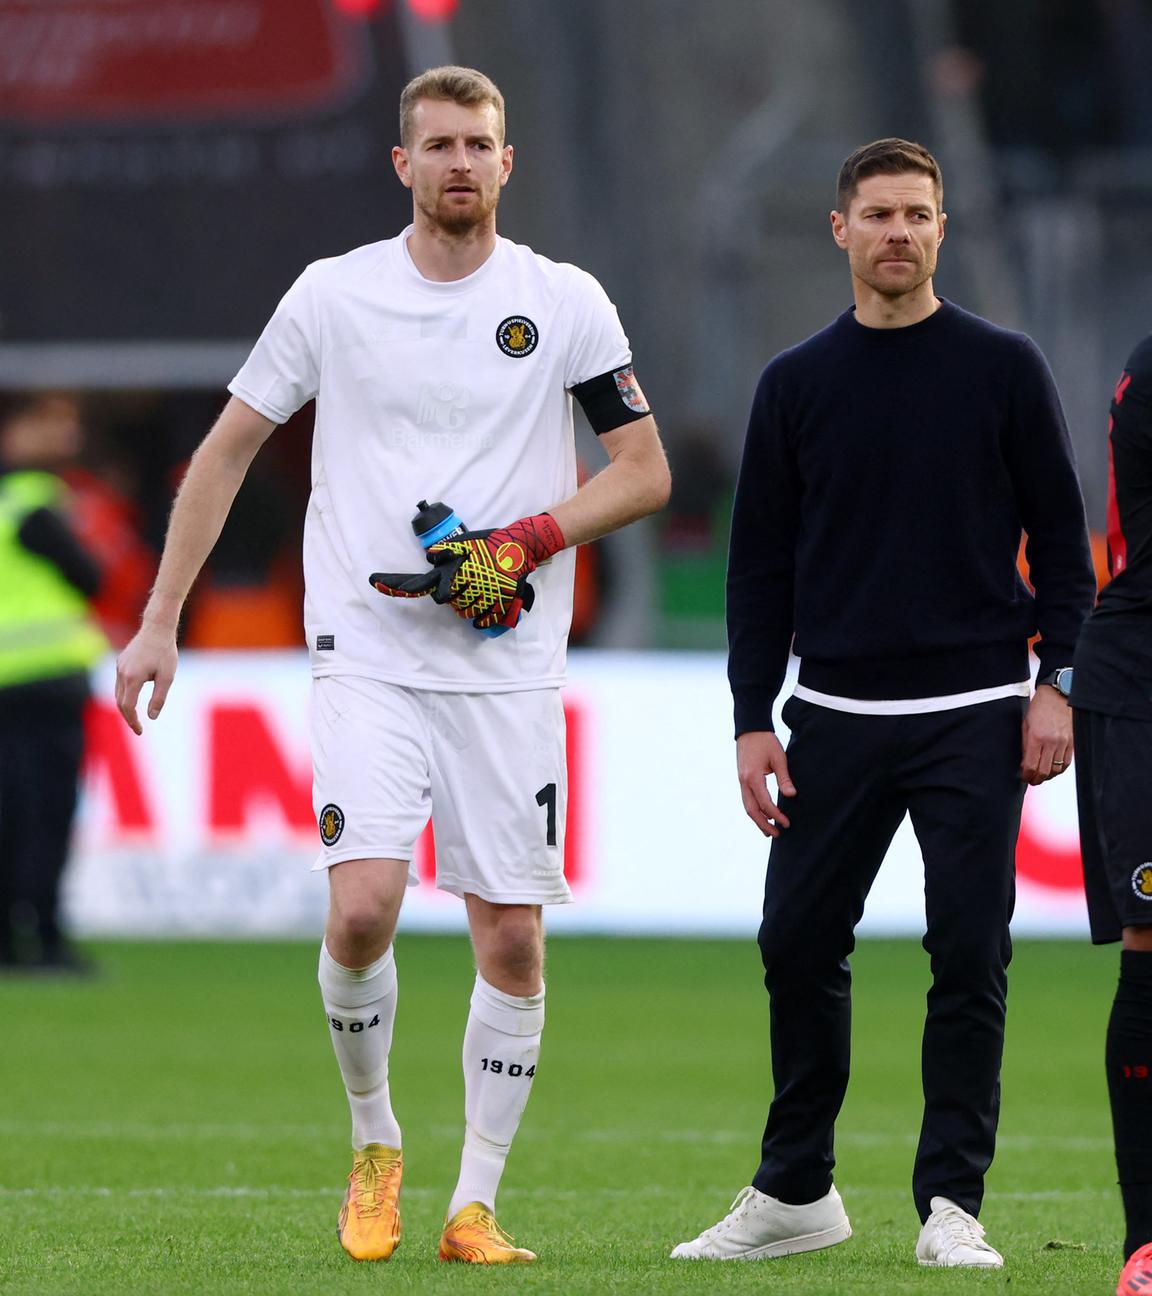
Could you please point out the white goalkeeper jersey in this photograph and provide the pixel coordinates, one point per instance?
(439, 391)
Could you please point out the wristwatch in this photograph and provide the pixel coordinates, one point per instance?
(1060, 679)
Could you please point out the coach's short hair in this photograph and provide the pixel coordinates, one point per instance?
(459, 85)
(886, 157)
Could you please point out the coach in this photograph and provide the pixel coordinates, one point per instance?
(892, 461)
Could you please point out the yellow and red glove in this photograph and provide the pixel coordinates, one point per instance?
(438, 582)
(485, 573)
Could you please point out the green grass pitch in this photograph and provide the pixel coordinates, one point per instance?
(176, 1125)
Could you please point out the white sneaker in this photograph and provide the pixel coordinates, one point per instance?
(952, 1237)
(759, 1227)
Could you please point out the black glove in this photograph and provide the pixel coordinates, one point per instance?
(435, 581)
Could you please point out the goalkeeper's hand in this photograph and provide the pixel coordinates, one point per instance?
(488, 571)
(413, 584)
(438, 582)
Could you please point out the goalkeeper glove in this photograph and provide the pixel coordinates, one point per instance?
(487, 571)
(412, 584)
(438, 583)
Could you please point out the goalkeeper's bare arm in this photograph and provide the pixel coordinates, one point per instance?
(198, 515)
(635, 482)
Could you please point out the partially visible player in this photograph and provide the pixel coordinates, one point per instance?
(443, 363)
(1112, 708)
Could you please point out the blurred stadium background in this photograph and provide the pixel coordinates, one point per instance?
(168, 166)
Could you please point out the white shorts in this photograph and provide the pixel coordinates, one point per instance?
(488, 768)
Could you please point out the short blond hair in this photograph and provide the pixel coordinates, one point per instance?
(459, 85)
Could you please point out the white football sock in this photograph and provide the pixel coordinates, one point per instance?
(361, 1008)
(501, 1049)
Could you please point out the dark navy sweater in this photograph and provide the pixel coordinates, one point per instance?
(886, 478)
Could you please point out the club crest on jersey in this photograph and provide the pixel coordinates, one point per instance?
(331, 824)
(517, 336)
(1142, 881)
(629, 390)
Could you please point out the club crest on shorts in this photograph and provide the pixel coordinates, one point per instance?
(517, 336)
(1142, 881)
(629, 390)
(331, 824)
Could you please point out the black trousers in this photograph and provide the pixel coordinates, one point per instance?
(41, 750)
(957, 774)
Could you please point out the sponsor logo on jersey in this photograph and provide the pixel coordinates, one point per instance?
(1142, 881)
(325, 643)
(438, 439)
(629, 390)
(517, 336)
(331, 824)
(444, 404)
(510, 556)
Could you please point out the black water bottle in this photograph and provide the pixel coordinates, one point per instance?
(436, 522)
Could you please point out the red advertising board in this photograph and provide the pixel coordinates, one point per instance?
(214, 147)
(248, 771)
(76, 60)
(205, 825)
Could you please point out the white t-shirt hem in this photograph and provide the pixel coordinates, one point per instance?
(913, 706)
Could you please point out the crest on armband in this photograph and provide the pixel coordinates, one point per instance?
(629, 390)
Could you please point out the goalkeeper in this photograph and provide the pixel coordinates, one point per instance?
(414, 713)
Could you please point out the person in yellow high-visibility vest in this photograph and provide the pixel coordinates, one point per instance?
(48, 643)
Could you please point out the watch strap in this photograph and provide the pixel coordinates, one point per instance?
(1055, 679)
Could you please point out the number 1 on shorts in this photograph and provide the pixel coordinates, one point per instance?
(547, 797)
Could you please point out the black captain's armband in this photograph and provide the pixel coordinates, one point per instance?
(611, 400)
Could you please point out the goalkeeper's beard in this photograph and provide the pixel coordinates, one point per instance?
(457, 221)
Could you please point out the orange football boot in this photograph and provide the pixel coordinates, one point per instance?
(369, 1227)
(473, 1237)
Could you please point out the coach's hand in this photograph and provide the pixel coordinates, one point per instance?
(487, 571)
(1047, 736)
(151, 655)
(759, 754)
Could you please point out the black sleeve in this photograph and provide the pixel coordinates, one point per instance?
(762, 561)
(1043, 469)
(45, 532)
(1136, 381)
(1130, 481)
